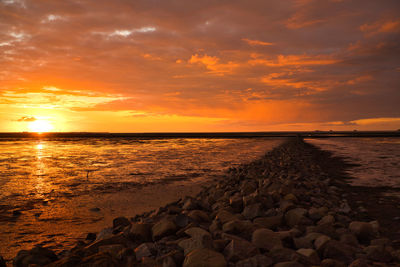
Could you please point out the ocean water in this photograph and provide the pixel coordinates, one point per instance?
(377, 160)
(54, 191)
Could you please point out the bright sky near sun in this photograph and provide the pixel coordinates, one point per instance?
(165, 66)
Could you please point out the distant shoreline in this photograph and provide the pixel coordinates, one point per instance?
(305, 134)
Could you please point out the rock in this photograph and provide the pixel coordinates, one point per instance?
(252, 211)
(286, 205)
(378, 253)
(289, 264)
(2, 262)
(317, 213)
(225, 216)
(38, 255)
(269, 222)
(236, 202)
(204, 257)
(100, 259)
(190, 204)
(163, 228)
(239, 249)
(339, 251)
(198, 216)
(237, 227)
(190, 244)
(105, 233)
(332, 263)
(181, 220)
(68, 261)
(328, 219)
(359, 263)
(310, 254)
(112, 249)
(220, 244)
(381, 242)
(168, 262)
(115, 239)
(120, 222)
(140, 232)
(91, 236)
(320, 243)
(145, 250)
(364, 231)
(349, 239)
(248, 187)
(283, 254)
(215, 226)
(306, 241)
(295, 216)
(266, 239)
(127, 256)
(255, 261)
(197, 232)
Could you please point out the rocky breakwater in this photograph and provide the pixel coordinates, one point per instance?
(283, 210)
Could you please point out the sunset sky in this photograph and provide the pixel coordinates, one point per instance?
(167, 66)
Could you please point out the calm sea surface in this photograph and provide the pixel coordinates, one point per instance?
(53, 191)
(378, 159)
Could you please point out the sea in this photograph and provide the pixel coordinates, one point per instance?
(54, 191)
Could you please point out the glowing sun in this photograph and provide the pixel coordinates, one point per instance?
(40, 126)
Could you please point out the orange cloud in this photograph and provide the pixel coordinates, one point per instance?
(212, 64)
(294, 60)
(391, 26)
(256, 42)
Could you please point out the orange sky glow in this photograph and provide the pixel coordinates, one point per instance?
(193, 66)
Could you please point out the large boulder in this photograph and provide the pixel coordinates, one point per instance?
(204, 257)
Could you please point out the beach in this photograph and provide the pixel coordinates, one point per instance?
(292, 207)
